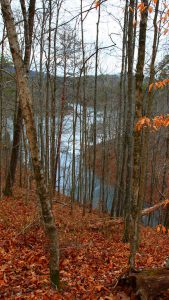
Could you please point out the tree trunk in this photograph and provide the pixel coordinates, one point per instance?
(135, 205)
(26, 107)
(145, 133)
(28, 30)
(15, 153)
(57, 159)
(1, 109)
(95, 112)
(121, 149)
(129, 122)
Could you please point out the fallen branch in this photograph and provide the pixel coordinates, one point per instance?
(146, 211)
(151, 209)
(62, 203)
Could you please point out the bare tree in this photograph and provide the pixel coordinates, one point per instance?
(136, 205)
(28, 31)
(26, 108)
(95, 110)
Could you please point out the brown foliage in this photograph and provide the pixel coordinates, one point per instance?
(93, 255)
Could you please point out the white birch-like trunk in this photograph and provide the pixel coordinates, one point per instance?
(26, 106)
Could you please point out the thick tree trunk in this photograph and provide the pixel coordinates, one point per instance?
(26, 106)
(135, 203)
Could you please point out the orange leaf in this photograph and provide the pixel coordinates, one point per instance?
(149, 260)
(158, 121)
(144, 121)
(166, 203)
(150, 87)
(139, 5)
(158, 228)
(99, 287)
(143, 9)
(155, 1)
(150, 9)
(97, 3)
(163, 229)
(2, 282)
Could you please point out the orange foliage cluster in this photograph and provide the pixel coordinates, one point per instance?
(142, 122)
(142, 7)
(158, 84)
(156, 123)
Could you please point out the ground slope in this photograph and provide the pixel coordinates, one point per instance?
(93, 255)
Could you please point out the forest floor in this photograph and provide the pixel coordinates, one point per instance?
(92, 254)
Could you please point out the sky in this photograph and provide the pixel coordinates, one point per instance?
(111, 23)
(110, 19)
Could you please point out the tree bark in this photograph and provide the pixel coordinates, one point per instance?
(121, 149)
(28, 30)
(95, 112)
(15, 153)
(145, 133)
(26, 107)
(129, 122)
(135, 204)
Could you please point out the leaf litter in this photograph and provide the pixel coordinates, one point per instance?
(92, 254)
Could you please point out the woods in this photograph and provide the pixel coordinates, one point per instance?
(84, 138)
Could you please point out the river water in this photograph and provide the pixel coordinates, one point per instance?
(66, 155)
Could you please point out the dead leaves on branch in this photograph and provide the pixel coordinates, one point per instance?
(155, 123)
(158, 84)
(164, 17)
(97, 3)
(142, 122)
(141, 7)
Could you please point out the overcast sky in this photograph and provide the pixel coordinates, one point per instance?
(111, 23)
(111, 17)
